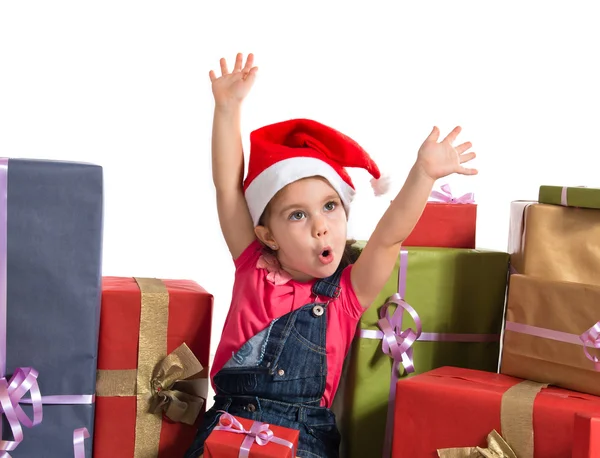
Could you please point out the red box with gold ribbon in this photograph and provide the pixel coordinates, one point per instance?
(153, 359)
(449, 223)
(236, 437)
(455, 411)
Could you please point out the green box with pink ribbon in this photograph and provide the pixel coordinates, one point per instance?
(567, 196)
(440, 307)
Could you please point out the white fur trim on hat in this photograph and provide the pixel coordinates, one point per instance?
(271, 180)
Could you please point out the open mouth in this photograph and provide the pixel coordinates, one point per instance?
(326, 256)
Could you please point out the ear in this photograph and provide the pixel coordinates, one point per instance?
(264, 235)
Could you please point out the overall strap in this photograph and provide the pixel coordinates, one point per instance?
(329, 286)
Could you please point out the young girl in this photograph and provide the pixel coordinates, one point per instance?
(296, 302)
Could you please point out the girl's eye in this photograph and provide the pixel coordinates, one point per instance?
(297, 216)
(329, 206)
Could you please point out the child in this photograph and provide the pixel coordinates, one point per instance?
(296, 302)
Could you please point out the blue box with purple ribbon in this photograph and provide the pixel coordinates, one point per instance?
(51, 216)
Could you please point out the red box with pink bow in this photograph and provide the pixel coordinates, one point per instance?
(447, 221)
(236, 437)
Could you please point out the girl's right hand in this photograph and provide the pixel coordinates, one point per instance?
(232, 88)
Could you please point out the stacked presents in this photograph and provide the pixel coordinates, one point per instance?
(113, 366)
(422, 379)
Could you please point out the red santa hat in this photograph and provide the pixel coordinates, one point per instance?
(288, 151)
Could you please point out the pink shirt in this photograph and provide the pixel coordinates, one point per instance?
(259, 297)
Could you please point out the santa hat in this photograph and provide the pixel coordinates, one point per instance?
(288, 151)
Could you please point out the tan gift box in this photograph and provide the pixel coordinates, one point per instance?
(547, 323)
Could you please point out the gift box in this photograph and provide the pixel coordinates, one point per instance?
(555, 243)
(570, 196)
(586, 439)
(547, 323)
(458, 408)
(450, 223)
(235, 436)
(457, 296)
(50, 253)
(152, 366)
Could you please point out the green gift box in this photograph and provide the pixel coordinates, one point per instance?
(459, 296)
(570, 196)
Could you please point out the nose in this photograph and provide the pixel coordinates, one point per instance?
(319, 227)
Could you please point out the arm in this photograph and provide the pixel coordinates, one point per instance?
(227, 156)
(434, 160)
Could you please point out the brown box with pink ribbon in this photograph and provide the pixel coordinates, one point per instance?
(552, 332)
(236, 437)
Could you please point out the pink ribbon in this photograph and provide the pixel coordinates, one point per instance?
(446, 196)
(259, 432)
(397, 343)
(590, 338)
(24, 379)
(563, 195)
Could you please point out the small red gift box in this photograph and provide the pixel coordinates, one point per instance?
(239, 437)
(586, 442)
(451, 408)
(448, 224)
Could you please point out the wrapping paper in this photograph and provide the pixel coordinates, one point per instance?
(454, 291)
(152, 366)
(51, 237)
(554, 242)
(570, 196)
(458, 408)
(544, 324)
(586, 441)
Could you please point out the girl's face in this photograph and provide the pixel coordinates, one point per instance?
(307, 223)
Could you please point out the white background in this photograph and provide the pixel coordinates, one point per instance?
(125, 84)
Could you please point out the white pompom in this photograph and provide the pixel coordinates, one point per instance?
(381, 185)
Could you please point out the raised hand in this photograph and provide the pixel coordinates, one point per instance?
(232, 87)
(438, 160)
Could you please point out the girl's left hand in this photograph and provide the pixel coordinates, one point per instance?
(438, 160)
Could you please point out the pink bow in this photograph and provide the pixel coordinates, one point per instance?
(259, 432)
(276, 274)
(446, 196)
(591, 338)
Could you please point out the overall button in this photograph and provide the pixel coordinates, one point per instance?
(318, 310)
(281, 372)
(251, 408)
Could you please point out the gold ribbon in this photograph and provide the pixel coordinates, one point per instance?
(516, 423)
(159, 383)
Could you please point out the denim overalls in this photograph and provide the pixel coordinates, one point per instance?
(278, 377)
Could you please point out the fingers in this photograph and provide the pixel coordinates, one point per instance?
(212, 76)
(238, 62)
(464, 147)
(452, 135)
(249, 63)
(466, 171)
(466, 157)
(223, 63)
(434, 135)
(251, 74)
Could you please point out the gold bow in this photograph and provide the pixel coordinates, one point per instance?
(516, 423)
(179, 399)
(497, 448)
(158, 383)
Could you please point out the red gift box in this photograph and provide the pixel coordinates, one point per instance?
(448, 224)
(142, 321)
(586, 442)
(451, 408)
(230, 437)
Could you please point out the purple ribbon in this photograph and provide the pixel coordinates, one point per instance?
(259, 432)
(397, 343)
(590, 338)
(446, 196)
(24, 379)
